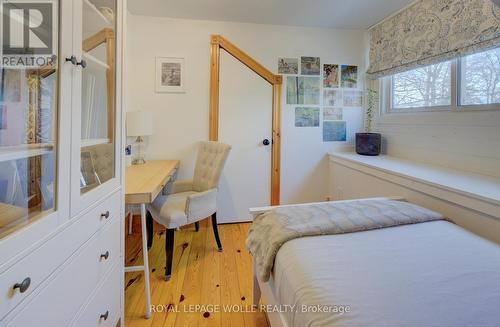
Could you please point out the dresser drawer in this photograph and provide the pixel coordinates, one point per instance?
(41, 262)
(61, 299)
(104, 211)
(104, 308)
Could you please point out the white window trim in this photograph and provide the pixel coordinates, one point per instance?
(387, 104)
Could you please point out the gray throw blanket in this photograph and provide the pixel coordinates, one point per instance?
(272, 229)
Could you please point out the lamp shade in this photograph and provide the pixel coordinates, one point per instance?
(139, 123)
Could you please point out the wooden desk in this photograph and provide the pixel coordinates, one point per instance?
(143, 183)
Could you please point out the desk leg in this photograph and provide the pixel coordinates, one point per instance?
(146, 261)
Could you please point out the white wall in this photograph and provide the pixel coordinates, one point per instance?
(180, 120)
(468, 141)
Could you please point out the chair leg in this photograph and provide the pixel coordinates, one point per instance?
(149, 228)
(169, 252)
(197, 226)
(216, 231)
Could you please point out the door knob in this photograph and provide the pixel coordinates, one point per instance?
(266, 142)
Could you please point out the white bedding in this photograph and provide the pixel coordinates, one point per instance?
(427, 274)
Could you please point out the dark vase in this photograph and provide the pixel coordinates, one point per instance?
(368, 144)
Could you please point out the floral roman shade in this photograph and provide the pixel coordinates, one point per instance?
(431, 31)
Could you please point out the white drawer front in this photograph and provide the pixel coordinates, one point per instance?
(103, 309)
(40, 263)
(59, 302)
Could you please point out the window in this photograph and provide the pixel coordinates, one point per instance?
(480, 78)
(428, 86)
(470, 82)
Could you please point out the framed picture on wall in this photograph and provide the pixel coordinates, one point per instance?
(334, 131)
(349, 76)
(170, 75)
(288, 66)
(310, 66)
(306, 117)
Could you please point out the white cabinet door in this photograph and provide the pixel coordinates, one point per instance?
(96, 122)
(35, 112)
(245, 119)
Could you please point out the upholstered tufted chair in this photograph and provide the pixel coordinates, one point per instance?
(190, 200)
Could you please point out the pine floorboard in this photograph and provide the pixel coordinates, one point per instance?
(202, 278)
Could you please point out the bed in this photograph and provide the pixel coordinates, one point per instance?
(425, 274)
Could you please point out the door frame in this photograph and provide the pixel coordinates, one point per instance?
(218, 42)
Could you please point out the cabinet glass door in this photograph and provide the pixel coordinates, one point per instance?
(29, 78)
(97, 157)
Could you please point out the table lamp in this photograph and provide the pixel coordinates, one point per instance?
(139, 124)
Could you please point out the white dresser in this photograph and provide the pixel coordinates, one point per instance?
(61, 174)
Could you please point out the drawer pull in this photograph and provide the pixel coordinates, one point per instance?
(23, 286)
(104, 315)
(82, 63)
(105, 215)
(72, 59)
(105, 255)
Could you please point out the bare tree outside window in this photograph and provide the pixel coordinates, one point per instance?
(480, 78)
(431, 87)
(427, 86)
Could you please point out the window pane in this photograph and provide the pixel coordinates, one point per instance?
(481, 78)
(422, 87)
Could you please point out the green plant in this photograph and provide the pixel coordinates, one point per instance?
(371, 106)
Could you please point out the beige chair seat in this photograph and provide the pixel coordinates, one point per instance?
(171, 210)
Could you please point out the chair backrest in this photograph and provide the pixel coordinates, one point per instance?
(102, 157)
(209, 163)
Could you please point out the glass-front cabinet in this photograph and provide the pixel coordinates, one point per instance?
(29, 115)
(60, 164)
(59, 141)
(95, 114)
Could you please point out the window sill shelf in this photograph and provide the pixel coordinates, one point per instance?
(475, 191)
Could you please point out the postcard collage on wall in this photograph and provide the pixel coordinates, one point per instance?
(315, 92)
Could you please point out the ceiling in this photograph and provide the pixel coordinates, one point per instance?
(314, 13)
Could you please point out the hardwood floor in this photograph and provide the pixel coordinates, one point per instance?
(204, 282)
